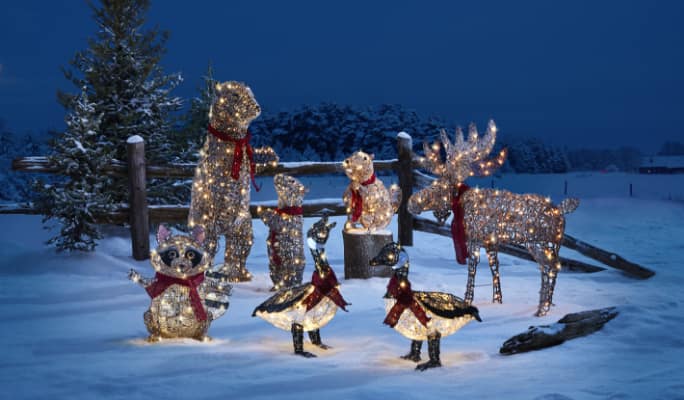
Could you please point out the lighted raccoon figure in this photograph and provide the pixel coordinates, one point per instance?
(369, 203)
(221, 186)
(285, 244)
(185, 298)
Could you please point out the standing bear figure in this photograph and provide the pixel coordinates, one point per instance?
(221, 187)
(285, 245)
(185, 299)
(369, 203)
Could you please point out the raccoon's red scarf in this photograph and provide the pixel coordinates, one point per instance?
(458, 233)
(162, 282)
(325, 286)
(357, 200)
(241, 146)
(273, 235)
(404, 295)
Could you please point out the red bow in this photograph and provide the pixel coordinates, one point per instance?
(241, 145)
(325, 286)
(357, 200)
(162, 282)
(404, 295)
(458, 233)
(273, 235)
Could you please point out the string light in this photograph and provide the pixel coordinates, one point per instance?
(420, 315)
(369, 204)
(285, 246)
(185, 297)
(221, 187)
(307, 307)
(490, 217)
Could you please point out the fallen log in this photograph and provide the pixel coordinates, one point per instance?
(569, 327)
(426, 225)
(606, 257)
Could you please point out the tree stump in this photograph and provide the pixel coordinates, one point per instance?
(569, 327)
(360, 247)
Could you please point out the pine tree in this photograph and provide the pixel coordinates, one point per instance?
(121, 73)
(193, 132)
(81, 195)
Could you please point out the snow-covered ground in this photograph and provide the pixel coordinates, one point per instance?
(72, 325)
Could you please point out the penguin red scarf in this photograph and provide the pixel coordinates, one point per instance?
(401, 290)
(325, 286)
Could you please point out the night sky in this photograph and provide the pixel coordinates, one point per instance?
(578, 73)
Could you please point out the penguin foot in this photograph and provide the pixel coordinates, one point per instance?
(323, 346)
(427, 365)
(305, 354)
(411, 357)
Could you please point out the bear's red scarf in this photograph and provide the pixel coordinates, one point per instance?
(241, 146)
(357, 200)
(162, 282)
(273, 235)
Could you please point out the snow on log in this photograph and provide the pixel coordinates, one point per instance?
(606, 257)
(569, 327)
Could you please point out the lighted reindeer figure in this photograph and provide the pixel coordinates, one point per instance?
(489, 217)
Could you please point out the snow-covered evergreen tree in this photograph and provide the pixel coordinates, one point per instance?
(121, 73)
(193, 131)
(75, 200)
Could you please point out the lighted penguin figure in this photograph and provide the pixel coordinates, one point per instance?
(420, 315)
(310, 306)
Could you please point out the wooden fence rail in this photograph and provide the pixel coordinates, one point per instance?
(140, 215)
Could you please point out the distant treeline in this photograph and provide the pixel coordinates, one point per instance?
(331, 132)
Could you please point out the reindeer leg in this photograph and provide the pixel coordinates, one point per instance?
(540, 257)
(554, 268)
(473, 260)
(492, 257)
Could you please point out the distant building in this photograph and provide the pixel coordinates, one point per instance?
(662, 165)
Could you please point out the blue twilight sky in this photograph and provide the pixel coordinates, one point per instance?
(579, 73)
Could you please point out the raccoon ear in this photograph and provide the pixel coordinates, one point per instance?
(163, 234)
(199, 234)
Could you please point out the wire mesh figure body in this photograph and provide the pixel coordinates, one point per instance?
(185, 298)
(419, 315)
(307, 307)
(221, 186)
(285, 245)
(487, 218)
(370, 205)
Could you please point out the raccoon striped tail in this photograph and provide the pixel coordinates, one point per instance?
(568, 205)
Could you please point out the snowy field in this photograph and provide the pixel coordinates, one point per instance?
(72, 324)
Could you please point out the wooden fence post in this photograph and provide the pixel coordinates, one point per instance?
(139, 214)
(405, 174)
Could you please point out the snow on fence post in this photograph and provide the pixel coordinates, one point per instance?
(405, 174)
(138, 212)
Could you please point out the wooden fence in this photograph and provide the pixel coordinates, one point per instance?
(140, 215)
